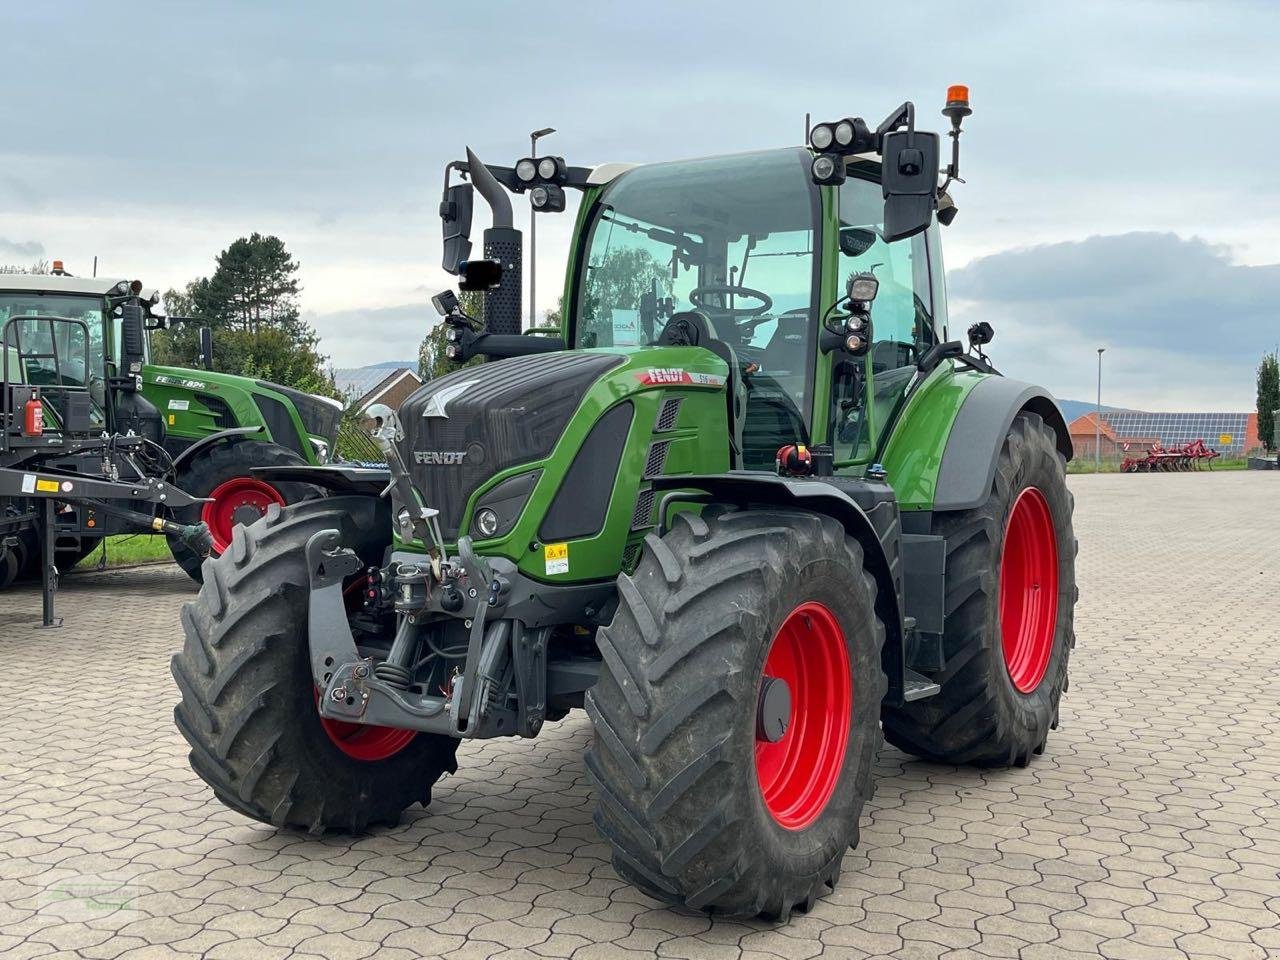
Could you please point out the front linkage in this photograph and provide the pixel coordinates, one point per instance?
(480, 614)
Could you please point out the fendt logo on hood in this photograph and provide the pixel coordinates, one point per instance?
(438, 404)
(440, 458)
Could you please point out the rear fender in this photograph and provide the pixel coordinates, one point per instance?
(338, 480)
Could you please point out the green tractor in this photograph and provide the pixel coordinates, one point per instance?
(750, 509)
(207, 431)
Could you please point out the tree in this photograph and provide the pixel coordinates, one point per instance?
(1268, 399)
(251, 302)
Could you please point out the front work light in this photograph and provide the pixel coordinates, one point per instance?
(863, 287)
(821, 136)
(827, 169)
(547, 198)
(526, 170)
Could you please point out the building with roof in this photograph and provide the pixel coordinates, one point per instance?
(363, 386)
(1127, 431)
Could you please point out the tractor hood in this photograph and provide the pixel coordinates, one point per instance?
(464, 428)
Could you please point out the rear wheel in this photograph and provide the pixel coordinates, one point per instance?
(737, 712)
(248, 705)
(238, 498)
(1010, 595)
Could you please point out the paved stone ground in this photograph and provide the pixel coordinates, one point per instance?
(1150, 828)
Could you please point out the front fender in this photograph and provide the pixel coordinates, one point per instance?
(204, 443)
(973, 446)
(867, 510)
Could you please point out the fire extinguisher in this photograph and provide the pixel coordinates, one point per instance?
(33, 416)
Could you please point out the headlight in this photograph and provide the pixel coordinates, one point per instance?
(821, 136)
(526, 170)
(538, 197)
(844, 133)
(546, 168)
(486, 522)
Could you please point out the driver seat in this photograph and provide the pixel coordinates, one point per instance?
(692, 328)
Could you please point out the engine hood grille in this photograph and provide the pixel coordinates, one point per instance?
(465, 427)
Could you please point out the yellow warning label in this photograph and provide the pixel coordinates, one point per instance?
(47, 486)
(172, 419)
(556, 556)
(1226, 439)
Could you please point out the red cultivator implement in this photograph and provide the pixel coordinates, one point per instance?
(1186, 456)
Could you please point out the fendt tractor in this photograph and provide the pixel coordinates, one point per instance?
(748, 508)
(207, 430)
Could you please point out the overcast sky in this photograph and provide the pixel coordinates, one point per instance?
(1122, 158)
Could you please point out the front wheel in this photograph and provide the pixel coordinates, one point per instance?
(248, 707)
(1010, 594)
(737, 711)
(224, 473)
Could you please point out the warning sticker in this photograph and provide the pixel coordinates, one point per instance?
(173, 421)
(46, 486)
(556, 556)
(28, 483)
(179, 404)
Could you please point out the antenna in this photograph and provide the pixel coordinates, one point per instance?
(806, 128)
(95, 264)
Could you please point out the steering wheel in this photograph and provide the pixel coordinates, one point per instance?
(698, 294)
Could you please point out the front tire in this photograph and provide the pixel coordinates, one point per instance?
(248, 705)
(1010, 598)
(225, 473)
(717, 789)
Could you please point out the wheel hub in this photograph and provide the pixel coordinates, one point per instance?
(803, 713)
(773, 712)
(1028, 590)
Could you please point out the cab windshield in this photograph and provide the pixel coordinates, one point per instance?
(729, 239)
(55, 354)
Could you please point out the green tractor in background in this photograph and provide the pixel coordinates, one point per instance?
(750, 509)
(209, 431)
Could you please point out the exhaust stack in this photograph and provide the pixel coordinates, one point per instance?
(503, 243)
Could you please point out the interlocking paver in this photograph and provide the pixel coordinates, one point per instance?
(1150, 828)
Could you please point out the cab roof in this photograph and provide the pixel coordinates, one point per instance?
(52, 283)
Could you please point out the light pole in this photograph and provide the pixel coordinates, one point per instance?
(1097, 424)
(533, 231)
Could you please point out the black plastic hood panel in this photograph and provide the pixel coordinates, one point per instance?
(465, 427)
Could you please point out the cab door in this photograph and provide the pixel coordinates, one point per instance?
(866, 391)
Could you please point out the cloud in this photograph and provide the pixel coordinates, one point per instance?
(353, 338)
(1183, 324)
(20, 249)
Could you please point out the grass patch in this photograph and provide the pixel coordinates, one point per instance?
(129, 550)
(1224, 463)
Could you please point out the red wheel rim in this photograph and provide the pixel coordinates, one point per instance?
(238, 500)
(1028, 590)
(362, 741)
(799, 772)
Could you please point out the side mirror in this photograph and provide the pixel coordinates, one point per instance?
(479, 274)
(133, 336)
(206, 347)
(909, 180)
(455, 222)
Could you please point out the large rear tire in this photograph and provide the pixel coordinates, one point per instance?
(248, 706)
(225, 472)
(1010, 598)
(705, 799)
